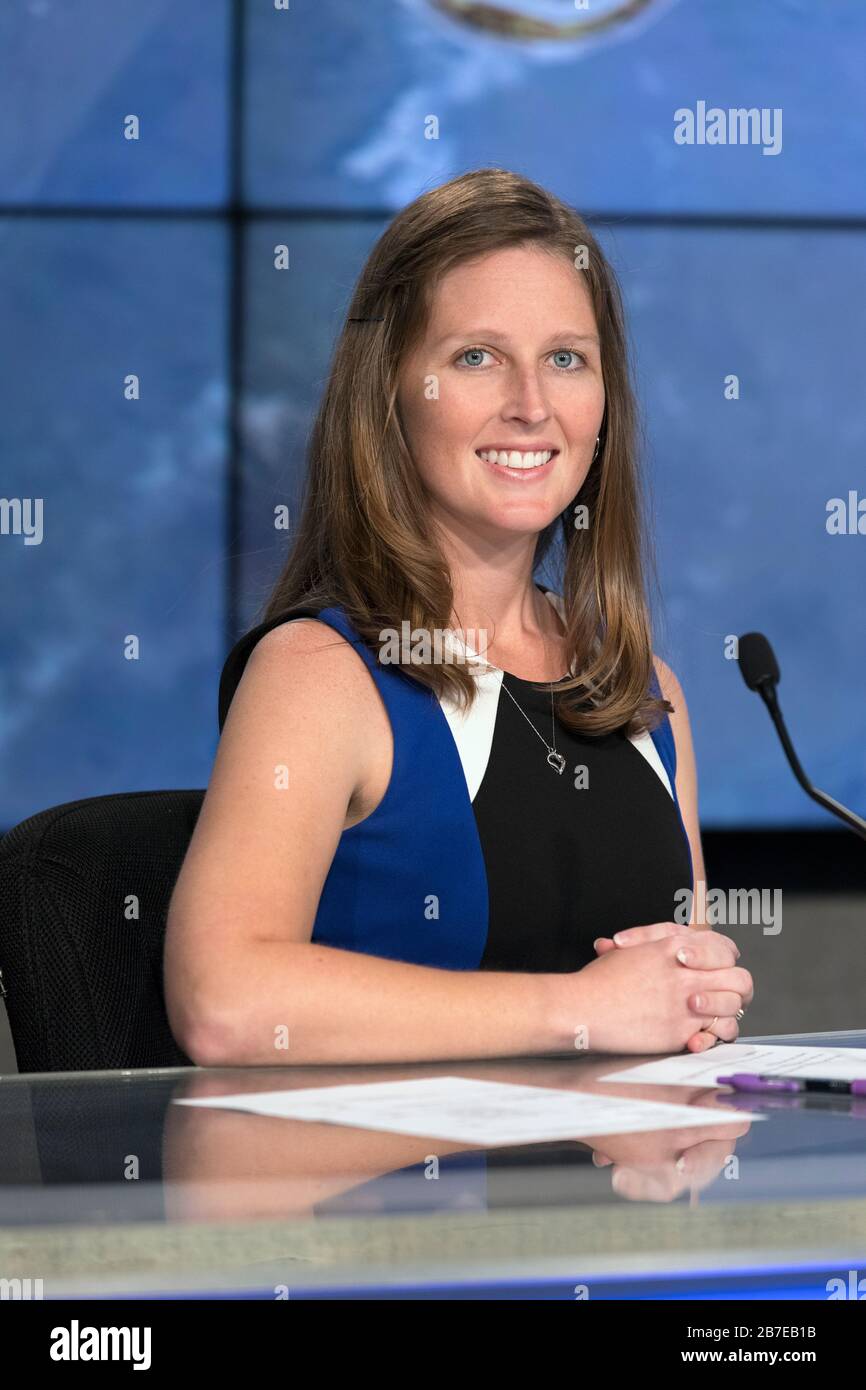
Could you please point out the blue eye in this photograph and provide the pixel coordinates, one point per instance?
(573, 353)
(466, 352)
(558, 353)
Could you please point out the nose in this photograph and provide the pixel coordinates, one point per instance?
(526, 399)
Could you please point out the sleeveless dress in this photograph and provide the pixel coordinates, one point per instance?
(481, 856)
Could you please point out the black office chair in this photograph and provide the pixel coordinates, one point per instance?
(82, 972)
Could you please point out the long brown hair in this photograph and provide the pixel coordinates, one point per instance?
(364, 540)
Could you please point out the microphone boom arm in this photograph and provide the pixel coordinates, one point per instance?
(766, 690)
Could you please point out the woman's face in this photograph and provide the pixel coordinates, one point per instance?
(510, 360)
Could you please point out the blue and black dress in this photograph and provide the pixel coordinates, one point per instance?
(481, 855)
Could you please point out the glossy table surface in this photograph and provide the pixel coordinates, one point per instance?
(106, 1187)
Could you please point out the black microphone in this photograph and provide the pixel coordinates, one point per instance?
(760, 671)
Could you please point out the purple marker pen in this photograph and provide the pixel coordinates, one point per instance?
(767, 1085)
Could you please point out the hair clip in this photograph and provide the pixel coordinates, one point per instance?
(368, 320)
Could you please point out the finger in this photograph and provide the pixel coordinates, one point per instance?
(638, 936)
(700, 1164)
(728, 1029)
(733, 978)
(723, 1003)
(658, 931)
(702, 932)
(724, 1030)
(662, 1185)
(704, 950)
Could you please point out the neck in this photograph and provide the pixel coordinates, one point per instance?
(520, 632)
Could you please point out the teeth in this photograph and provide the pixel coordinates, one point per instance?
(514, 459)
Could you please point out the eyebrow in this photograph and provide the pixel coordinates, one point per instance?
(495, 333)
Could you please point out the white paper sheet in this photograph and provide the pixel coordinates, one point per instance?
(702, 1068)
(470, 1111)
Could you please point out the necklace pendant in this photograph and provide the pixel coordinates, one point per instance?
(556, 760)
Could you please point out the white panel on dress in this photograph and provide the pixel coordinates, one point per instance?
(473, 730)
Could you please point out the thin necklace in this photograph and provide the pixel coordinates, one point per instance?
(556, 760)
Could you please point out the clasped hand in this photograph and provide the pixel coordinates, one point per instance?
(718, 1007)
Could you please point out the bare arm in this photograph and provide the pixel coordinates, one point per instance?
(303, 1003)
(242, 977)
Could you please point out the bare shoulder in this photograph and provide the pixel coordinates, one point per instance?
(306, 653)
(306, 672)
(304, 637)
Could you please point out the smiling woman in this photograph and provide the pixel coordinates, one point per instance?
(526, 402)
(451, 837)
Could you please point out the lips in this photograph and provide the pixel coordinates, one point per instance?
(526, 458)
(541, 446)
(521, 476)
